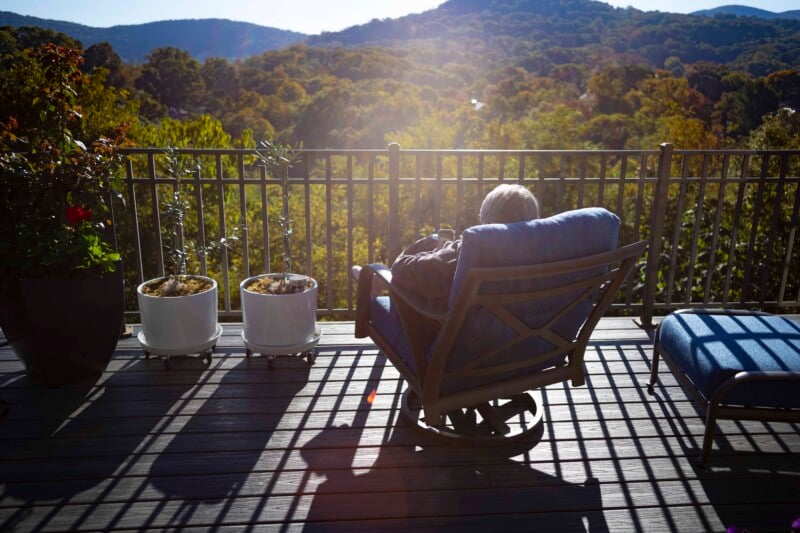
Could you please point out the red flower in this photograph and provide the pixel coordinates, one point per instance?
(77, 214)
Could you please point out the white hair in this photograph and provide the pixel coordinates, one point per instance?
(508, 203)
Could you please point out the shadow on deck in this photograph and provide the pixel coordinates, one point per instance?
(240, 446)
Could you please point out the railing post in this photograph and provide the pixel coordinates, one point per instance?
(656, 235)
(394, 202)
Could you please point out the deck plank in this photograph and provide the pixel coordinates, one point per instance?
(237, 445)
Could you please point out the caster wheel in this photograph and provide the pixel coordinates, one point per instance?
(248, 352)
(146, 354)
(311, 358)
(166, 363)
(207, 358)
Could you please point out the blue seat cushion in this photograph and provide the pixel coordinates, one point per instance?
(386, 320)
(711, 348)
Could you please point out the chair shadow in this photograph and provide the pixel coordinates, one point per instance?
(75, 437)
(219, 471)
(423, 486)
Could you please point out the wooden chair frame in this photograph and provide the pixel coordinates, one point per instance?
(614, 267)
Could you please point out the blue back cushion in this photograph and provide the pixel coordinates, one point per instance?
(565, 236)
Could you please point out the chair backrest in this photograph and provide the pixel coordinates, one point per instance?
(521, 293)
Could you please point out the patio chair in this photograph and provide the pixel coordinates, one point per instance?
(524, 301)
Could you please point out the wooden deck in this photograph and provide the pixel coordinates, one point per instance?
(238, 446)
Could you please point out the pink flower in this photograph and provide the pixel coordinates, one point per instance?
(77, 214)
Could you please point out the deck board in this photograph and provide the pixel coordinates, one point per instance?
(237, 445)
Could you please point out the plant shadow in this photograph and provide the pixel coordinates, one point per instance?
(218, 468)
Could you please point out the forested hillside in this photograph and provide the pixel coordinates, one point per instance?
(493, 74)
(203, 38)
(747, 11)
(471, 74)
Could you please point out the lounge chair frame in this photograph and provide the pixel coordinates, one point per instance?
(611, 269)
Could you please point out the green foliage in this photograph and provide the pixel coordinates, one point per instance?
(172, 77)
(499, 74)
(277, 159)
(56, 183)
(176, 209)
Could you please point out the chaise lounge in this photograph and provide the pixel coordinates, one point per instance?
(524, 301)
(737, 365)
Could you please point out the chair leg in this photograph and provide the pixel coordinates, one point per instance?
(654, 368)
(708, 435)
(491, 416)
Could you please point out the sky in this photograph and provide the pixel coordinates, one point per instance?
(305, 16)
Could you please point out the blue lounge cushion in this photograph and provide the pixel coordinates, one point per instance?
(711, 348)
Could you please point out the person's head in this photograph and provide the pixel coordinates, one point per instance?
(508, 203)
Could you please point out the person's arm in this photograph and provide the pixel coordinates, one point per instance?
(425, 244)
(428, 274)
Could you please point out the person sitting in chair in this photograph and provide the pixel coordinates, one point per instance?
(425, 269)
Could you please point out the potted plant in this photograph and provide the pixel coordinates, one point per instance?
(279, 310)
(178, 311)
(61, 285)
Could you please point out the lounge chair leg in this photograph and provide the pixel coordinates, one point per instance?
(653, 370)
(490, 415)
(708, 436)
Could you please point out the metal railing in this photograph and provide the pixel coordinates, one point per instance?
(722, 225)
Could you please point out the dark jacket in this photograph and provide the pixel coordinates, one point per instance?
(425, 273)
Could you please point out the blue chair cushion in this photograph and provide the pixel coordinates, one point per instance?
(711, 348)
(565, 236)
(386, 320)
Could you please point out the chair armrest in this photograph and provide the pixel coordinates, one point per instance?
(364, 293)
(380, 275)
(417, 306)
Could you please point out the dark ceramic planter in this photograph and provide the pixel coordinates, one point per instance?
(64, 329)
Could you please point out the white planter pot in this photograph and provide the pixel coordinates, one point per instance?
(179, 324)
(279, 320)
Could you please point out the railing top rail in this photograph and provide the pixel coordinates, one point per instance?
(412, 151)
(467, 151)
(679, 151)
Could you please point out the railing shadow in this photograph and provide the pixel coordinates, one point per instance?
(734, 484)
(219, 471)
(73, 440)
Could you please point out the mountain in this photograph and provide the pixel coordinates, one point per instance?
(543, 36)
(746, 11)
(201, 38)
(539, 36)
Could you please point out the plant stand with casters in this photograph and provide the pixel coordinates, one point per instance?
(272, 352)
(205, 349)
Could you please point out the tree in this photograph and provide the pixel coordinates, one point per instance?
(741, 110)
(221, 79)
(786, 84)
(610, 86)
(102, 55)
(779, 131)
(173, 78)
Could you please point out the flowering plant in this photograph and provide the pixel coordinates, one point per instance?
(55, 190)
